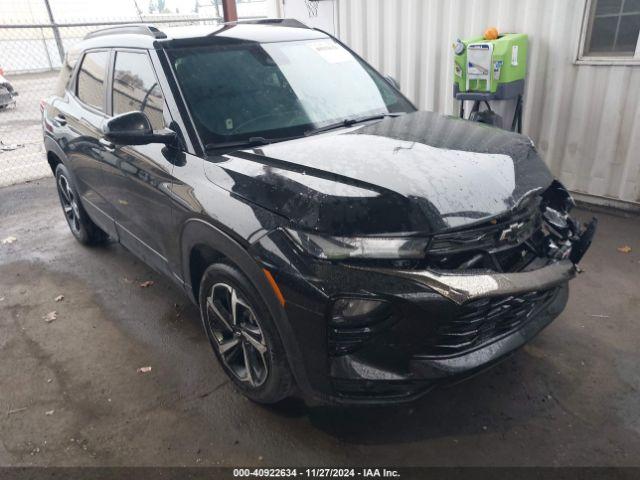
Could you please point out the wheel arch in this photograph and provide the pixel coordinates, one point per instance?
(55, 155)
(201, 256)
(53, 160)
(203, 244)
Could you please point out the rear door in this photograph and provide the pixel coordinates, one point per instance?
(77, 126)
(137, 180)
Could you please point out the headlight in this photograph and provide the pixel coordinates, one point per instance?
(340, 248)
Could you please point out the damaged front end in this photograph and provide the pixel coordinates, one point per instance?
(538, 231)
(567, 238)
(535, 246)
(397, 326)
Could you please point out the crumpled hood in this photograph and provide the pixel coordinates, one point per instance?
(421, 172)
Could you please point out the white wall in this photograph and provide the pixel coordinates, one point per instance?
(585, 119)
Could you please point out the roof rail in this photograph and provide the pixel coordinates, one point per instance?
(134, 28)
(285, 22)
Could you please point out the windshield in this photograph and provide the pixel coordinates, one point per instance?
(278, 90)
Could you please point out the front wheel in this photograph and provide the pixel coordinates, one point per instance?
(243, 335)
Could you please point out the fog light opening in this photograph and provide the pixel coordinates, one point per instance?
(353, 312)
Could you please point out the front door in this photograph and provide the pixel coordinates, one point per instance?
(137, 179)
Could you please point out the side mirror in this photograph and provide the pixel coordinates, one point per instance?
(394, 83)
(134, 128)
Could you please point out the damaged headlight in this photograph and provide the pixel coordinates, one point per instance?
(566, 238)
(341, 248)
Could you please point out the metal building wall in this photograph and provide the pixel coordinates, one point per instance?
(585, 119)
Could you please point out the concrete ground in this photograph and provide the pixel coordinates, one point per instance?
(70, 393)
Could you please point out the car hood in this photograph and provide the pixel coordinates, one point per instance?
(419, 173)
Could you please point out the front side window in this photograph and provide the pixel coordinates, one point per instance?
(135, 87)
(278, 90)
(613, 29)
(91, 77)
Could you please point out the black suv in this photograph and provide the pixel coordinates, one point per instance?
(335, 238)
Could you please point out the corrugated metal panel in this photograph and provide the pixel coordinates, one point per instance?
(584, 119)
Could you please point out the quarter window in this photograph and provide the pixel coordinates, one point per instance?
(613, 29)
(70, 60)
(91, 79)
(135, 87)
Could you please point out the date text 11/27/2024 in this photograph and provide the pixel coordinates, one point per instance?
(316, 472)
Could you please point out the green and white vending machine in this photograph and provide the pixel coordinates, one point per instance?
(491, 69)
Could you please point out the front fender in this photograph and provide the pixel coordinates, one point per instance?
(199, 232)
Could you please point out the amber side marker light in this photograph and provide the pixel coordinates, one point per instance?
(274, 286)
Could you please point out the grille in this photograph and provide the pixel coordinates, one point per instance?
(486, 320)
(511, 230)
(509, 244)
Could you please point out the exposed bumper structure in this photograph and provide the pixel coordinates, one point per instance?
(464, 287)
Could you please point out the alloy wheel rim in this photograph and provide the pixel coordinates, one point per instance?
(69, 203)
(237, 334)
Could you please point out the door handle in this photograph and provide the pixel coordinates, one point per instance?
(61, 120)
(108, 146)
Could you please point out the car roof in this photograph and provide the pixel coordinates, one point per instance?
(155, 36)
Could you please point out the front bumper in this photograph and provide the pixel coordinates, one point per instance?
(357, 381)
(429, 339)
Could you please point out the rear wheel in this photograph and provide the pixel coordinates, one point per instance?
(81, 226)
(243, 335)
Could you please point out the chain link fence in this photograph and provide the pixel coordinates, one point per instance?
(30, 59)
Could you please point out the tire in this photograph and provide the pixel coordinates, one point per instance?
(239, 339)
(81, 226)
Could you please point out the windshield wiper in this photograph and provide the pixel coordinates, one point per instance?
(347, 122)
(250, 142)
(255, 141)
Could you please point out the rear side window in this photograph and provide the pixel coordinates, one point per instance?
(70, 60)
(135, 87)
(91, 79)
